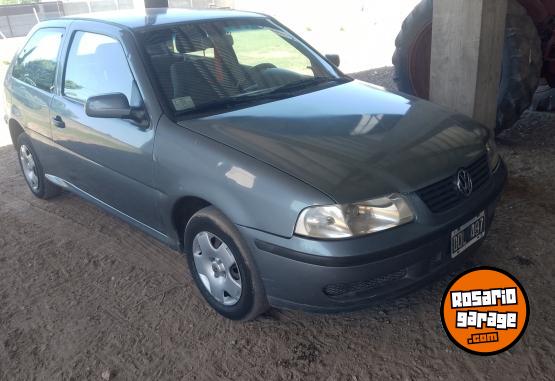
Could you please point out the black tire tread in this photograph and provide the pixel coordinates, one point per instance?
(522, 59)
(412, 26)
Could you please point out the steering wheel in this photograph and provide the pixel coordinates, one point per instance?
(247, 85)
(263, 66)
(27, 78)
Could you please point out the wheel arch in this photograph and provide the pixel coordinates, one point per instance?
(183, 209)
(15, 130)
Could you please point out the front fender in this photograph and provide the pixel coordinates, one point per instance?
(249, 192)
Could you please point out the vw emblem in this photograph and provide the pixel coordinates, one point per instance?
(464, 182)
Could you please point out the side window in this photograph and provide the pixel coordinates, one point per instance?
(258, 46)
(96, 65)
(36, 64)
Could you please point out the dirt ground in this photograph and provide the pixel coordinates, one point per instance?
(82, 293)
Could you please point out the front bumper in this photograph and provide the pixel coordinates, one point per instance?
(331, 276)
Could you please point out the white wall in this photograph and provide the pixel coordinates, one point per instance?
(362, 31)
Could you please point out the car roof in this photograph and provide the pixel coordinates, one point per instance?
(152, 17)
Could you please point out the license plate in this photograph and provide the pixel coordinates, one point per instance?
(468, 234)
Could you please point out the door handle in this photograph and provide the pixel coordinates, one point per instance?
(58, 121)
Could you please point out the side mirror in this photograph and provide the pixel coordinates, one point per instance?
(334, 59)
(114, 105)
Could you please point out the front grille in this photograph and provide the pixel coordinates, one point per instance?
(349, 289)
(444, 195)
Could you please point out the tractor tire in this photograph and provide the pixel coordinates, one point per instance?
(522, 60)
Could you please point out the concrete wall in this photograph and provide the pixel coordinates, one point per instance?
(467, 47)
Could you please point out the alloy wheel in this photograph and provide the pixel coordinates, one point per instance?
(29, 167)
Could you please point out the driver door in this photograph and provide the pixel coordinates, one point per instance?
(109, 159)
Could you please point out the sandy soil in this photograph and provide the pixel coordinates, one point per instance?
(82, 294)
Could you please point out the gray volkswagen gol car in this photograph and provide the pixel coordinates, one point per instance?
(224, 135)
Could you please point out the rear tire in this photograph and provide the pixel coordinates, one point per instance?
(522, 60)
(32, 170)
(241, 274)
(413, 51)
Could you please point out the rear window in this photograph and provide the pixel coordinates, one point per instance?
(36, 63)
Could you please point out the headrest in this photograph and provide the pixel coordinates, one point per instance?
(191, 38)
(158, 42)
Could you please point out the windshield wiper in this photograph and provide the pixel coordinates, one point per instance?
(261, 96)
(221, 104)
(304, 83)
(288, 88)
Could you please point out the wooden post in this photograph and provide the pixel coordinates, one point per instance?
(467, 49)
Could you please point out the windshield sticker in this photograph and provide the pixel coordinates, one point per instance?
(183, 103)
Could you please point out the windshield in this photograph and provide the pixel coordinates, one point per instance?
(213, 66)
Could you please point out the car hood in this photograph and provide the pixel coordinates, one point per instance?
(352, 141)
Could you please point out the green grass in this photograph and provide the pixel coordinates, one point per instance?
(254, 47)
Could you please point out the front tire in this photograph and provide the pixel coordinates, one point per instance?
(522, 60)
(32, 170)
(222, 266)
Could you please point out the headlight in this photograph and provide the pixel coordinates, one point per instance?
(493, 155)
(351, 220)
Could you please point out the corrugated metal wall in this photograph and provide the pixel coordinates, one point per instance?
(201, 4)
(76, 7)
(17, 20)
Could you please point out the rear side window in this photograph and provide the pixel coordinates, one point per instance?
(96, 65)
(36, 64)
